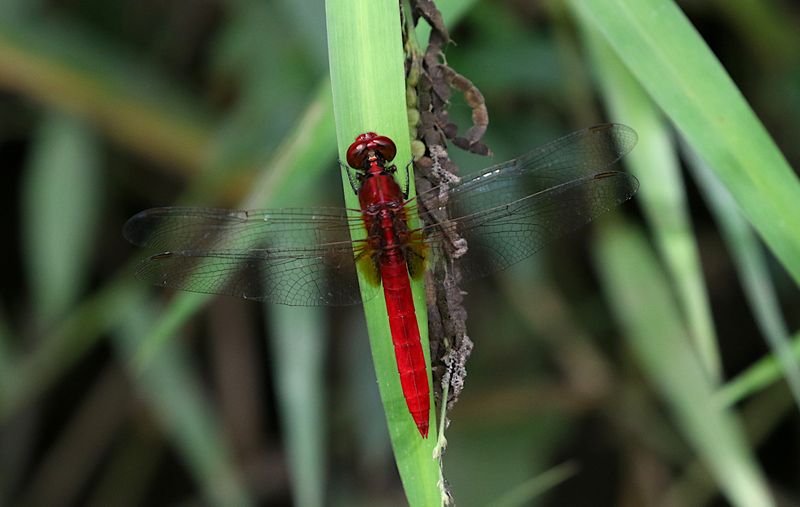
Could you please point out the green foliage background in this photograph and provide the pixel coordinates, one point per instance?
(651, 353)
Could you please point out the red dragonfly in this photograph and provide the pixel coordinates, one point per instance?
(306, 257)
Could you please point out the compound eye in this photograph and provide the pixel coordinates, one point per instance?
(358, 152)
(384, 146)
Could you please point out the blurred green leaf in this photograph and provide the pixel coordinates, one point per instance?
(62, 204)
(500, 32)
(676, 68)
(171, 389)
(296, 164)
(308, 22)
(642, 302)
(751, 265)
(534, 487)
(453, 11)
(62, 65)
(252, 46)
(373, 447)
(299, 371)
(762, 416)
(287, 176)
(758, 376)
(494, 457)
(662, 194)
(66, 343)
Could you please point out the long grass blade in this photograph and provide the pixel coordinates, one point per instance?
(368, 84)
(527, 491)
(751, 264)
(758, 376)
(61, 207)
(673, 64)
(299, 371)
(172, 389)
(651, 323)
(662, 194)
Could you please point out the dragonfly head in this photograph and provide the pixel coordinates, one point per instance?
(368, 149)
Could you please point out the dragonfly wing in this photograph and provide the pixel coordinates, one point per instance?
(512, 211)
(578, 155)
(287, 277)
(504, 236)
(186, 228)
(292, 257)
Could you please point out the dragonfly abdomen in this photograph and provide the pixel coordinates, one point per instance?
(406, 340)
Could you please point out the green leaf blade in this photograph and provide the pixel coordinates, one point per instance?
(61, 208)
(672, 62)
(662, 194)
(368, 84)
(641, 299)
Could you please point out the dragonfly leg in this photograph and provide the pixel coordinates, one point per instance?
(351, 176)
(408, 179)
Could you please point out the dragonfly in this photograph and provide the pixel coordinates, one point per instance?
(312, 256)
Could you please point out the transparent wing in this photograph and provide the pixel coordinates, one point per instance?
(179, 229)
(510, 211)
(292, 257)
(576, 156)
